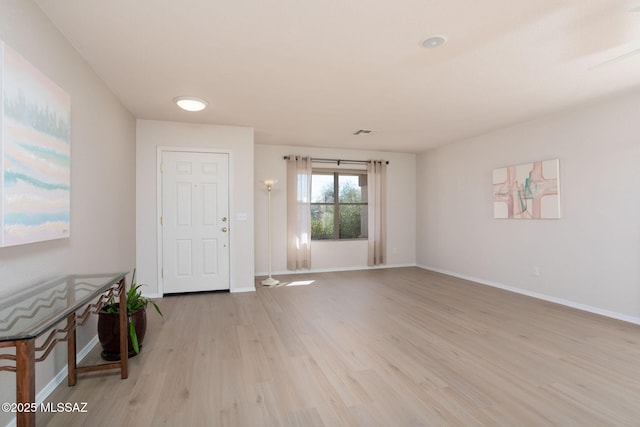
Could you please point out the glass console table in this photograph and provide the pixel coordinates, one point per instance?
(30, 314)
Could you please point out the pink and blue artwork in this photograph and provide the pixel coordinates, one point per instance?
(35, 154)
(528, 191)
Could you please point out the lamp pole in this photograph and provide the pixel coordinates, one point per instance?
(269, 281)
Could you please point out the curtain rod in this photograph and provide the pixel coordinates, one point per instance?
(338, 161)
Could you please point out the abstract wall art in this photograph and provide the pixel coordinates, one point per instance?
(528, 191)
(35, 154)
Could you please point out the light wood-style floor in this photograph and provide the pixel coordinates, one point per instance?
(396, 347)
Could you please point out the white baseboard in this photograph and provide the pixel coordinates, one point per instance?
(232, 290)
(152, 296)
(572, 304)
(332, 270)
(240, 290)
(46, 391)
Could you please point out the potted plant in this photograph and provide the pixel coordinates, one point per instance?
(109, 322)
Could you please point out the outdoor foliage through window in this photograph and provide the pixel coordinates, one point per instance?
(339, 205)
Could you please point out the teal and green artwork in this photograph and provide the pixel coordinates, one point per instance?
(35, 154)
(527, 191)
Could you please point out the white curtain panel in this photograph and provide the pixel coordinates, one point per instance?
(377, 193)
(298, 212)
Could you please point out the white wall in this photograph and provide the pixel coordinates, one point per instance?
(331, 255)
(102, 176)
(591, 257)
(239, 141)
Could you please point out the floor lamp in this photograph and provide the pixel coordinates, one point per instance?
(269, 183)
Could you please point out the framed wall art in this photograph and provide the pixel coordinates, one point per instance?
(35, 154)
(527, 191)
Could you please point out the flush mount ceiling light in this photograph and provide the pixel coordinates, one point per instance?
(432, 42)
(191, 103)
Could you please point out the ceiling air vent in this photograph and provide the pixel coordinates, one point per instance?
(363, 132)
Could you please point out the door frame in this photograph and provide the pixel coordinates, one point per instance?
(160, 150)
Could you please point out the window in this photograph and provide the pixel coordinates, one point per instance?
(339, 205)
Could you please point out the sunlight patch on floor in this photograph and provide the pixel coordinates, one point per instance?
(300, 283)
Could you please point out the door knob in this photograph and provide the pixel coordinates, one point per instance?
(225, 229)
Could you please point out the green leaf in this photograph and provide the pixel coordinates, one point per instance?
(156, 307)
(134, 336)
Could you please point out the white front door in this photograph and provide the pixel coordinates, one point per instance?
(195, 221)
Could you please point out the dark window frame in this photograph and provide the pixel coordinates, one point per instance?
(336, 201)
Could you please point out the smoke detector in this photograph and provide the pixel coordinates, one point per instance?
(433, 42)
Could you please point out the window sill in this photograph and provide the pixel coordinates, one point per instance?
(340, 240)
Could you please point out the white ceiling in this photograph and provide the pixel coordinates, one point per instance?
(311, 72)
